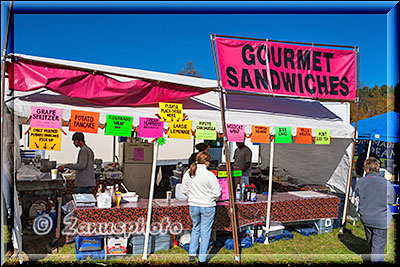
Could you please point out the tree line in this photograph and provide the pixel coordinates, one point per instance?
(373, 101)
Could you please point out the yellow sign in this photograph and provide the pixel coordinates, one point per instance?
(180, 130)
(45, 139)
(171, 112)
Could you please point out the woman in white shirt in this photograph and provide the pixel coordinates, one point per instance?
(202, 190)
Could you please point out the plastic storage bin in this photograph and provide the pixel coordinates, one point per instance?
(88, 243)
(89, 255)
(324, 226)
(156, 243)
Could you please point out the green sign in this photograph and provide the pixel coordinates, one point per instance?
(283, 135)
(322, 136)
(118, 125)
(223, 174)
(206, 130)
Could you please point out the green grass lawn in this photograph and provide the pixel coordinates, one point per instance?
(334, 247)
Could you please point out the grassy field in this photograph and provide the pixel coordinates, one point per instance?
(329, 248)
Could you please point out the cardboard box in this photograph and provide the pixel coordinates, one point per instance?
(117, 245)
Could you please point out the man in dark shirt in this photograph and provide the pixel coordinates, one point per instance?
(375, 194)
(84, 178)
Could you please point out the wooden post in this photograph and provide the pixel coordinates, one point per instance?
(228, 165)
(346, 201)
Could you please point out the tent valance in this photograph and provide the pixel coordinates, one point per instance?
(95, 88)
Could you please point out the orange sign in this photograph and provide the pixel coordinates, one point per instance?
(259, 134)
(84, 121)
(303, 136)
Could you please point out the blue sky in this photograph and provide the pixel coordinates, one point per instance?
(165, 42)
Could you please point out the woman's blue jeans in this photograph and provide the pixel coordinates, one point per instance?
(203, 219)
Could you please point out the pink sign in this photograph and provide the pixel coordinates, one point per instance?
(46, 117)
(292, 70)
(150, 128)
(138, 153)
(235, 132)
(223, 182)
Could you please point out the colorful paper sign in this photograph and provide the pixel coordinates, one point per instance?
(206, 130)
(259, 134)
(138, 153)
(285, 69)
(223, 174)
(235, 132)
(322, 136)
(283, 135)
(303, 135)
(118, 125)
(150, 128)
(45, 138)
(180, 130)
(46, 117)
(84, 121)
(223, 182)
(171, 112)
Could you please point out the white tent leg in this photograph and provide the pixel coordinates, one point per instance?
(152, 182)
(271, 168)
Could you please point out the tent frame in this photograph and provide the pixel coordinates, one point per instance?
(231, 197)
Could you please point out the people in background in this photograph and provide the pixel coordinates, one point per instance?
(242, 158)
(375, 194)
(361, 158)
(85, 180)
(200, 148)
(202, 190)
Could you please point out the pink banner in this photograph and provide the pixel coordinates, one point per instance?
(95, 88)
(293, 70)
(46, 117)
(235, 132)
(150, 128)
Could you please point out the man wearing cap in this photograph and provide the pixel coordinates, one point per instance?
(84, 178)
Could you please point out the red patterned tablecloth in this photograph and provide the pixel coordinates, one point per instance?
(70, 183)
(131, 217)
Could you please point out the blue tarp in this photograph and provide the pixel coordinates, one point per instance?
(383, 127)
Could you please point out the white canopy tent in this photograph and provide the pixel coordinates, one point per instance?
(313, 164)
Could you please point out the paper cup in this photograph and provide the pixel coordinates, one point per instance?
(53, 174)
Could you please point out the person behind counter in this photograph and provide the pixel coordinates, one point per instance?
(84, 179)
(375, 194)
(202, 190)
(242, 158)
(200, 147)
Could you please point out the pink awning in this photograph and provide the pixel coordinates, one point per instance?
(96, 88)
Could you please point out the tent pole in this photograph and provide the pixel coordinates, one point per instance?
(346, 201)
(228, 161)
(17, 221)
(113, 155)
(230, 184)
(152, 182)
(368, 152)
(271, 168)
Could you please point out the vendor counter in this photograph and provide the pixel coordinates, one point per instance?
(174, 214)
(104, 182)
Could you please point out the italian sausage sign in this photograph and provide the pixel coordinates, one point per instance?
(283, 69)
